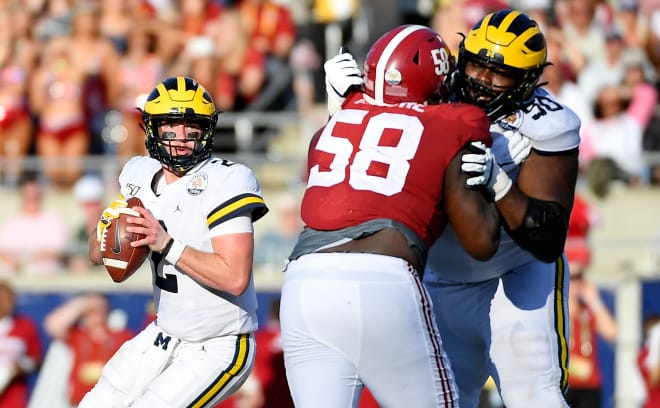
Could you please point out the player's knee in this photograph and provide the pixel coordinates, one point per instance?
(533, 350)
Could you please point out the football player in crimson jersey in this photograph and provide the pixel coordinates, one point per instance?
(197, 222)
(506, 317)
(385, 175)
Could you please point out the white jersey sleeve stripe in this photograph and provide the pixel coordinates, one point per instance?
(235, 206)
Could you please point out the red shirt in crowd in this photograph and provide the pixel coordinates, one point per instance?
(19, 341)
(90, 354)
(584, 370)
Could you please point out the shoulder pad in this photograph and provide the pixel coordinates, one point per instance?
(138, 168)
(469, 121)
(227, 176)
(550, 125)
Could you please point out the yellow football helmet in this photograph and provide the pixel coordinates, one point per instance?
(179, 99)
(511, 43)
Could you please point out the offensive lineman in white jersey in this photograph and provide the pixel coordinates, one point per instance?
(198, 225)
(513, 308)
(506, 317)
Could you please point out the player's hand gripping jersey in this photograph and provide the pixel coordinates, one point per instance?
(550, 128)
(372, 163)
(193, 209)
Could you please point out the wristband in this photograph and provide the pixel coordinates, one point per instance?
(167, 247)
(173, 250)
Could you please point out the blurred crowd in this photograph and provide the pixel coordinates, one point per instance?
(72, 72)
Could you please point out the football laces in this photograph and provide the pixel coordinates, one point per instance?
(103, 236)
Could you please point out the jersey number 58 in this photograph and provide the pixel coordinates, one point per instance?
(369, 150)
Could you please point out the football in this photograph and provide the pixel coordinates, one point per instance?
(121, 260)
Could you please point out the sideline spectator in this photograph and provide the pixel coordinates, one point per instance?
(20, 351)
(621, 115)
(56, 98)
(304, 61)
(15, 121)
(95, 57)
(34, 240)
(648, 360)
(272, 32)
(589, 316)
(610, 68)
(195, 15)
(82, 323)
(560, 77)
(116, 21)
(653, 43)
(272, 249)
(139, 68)
(241, 67)
(89, 192)
(584, 22)
(270, 27)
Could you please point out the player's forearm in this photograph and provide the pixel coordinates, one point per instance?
(94, 250)
(229, 274)
(474, 218)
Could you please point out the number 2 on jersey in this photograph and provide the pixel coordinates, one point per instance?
(369, 151)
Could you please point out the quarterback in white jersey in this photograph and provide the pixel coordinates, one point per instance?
(197, 222)
(507, 317)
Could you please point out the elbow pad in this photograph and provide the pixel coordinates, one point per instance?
(543, 230)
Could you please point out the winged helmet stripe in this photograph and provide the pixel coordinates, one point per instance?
(379, 86)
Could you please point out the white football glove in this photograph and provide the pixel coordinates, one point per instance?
(510, 149)
(341, 76)
(484, 171)
(107, 216)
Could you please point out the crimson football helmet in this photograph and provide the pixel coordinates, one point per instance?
(410, 63)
